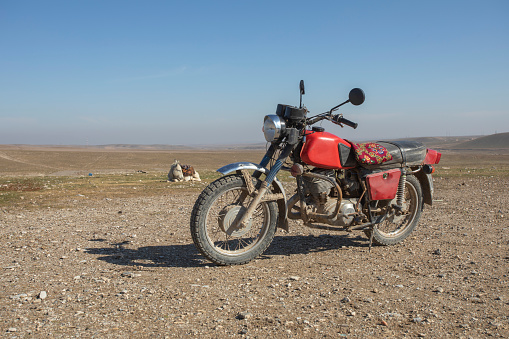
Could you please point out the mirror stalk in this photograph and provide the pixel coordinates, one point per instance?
(338, 106)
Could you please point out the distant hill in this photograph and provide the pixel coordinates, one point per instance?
(499, 140)
(157, 147)
(494, 141)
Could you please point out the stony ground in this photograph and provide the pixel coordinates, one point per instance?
(112, 267)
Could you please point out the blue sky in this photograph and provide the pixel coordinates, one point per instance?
(207, 72)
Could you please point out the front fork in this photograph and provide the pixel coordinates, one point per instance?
(240, 222)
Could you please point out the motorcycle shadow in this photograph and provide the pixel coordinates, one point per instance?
(150, 256)
(287, 245)
(188, 256)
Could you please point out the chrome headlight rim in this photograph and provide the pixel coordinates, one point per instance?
(273, 127)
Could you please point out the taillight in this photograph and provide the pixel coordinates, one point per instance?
(439, 155)
(432, 156)
(428, 169)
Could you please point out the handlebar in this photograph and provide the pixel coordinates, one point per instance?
(340, 120)
(336, 119)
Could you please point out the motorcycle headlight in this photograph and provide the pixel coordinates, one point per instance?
(273, 127)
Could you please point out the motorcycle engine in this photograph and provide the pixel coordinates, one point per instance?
(349, 184)
(318, 188)
(345, 215)
(318, 192)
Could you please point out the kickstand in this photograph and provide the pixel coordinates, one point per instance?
(371, 237)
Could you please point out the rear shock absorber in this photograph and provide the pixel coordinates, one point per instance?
(401, 190)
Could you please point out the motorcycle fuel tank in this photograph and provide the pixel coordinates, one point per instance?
(325, 150)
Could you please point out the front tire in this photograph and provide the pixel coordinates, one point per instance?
(214, 213)
(396, 228)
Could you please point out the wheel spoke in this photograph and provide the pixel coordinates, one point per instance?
(396, 223)
(221, 216)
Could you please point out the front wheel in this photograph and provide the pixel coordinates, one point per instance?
(213, 216)
(398, 225)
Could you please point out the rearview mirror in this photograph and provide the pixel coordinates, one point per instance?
(356, 96)
(302, 91)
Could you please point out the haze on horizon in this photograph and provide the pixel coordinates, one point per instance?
(202, 72)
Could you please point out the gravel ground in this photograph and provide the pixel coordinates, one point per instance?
(115, 267)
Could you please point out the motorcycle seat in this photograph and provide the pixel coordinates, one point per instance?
(383, 154)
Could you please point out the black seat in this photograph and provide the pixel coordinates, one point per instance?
(404, 152)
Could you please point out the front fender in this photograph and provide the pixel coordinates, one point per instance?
(277, 187)
(237, 166)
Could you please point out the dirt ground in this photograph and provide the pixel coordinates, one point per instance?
(116, 266)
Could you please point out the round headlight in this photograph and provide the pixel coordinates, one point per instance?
(273, 127)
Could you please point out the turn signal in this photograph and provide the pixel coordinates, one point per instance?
(428, 169)
(296, 170)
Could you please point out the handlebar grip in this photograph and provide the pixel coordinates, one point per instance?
(347, 122)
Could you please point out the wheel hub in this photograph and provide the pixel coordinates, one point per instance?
(227, 218)
(396, 216)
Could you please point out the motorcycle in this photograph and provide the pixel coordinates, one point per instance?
(379, 188)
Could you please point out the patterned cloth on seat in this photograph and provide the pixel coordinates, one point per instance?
(371, 153)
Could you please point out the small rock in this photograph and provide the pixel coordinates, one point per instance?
(417, 320)
(130, 274)
(243, 331)
(294, 278)
(345, 300)
(437, 252)
(383, 323)
(43, 295)
(11, 329)
(439, 290)
(477, 300)
(244, 315)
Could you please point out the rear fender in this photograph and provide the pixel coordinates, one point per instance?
(277, 187)
(426, 181)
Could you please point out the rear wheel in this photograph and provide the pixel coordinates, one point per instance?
(213, 219)
(397, 226)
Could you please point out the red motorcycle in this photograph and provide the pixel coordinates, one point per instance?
(379, 188)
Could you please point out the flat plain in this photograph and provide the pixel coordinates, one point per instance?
(96, 243)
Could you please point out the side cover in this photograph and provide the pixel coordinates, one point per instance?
(383, 185)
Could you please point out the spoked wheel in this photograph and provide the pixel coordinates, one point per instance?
(399, 224)
(214, 218)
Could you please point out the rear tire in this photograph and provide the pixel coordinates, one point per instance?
(214, 213)
(394, 229)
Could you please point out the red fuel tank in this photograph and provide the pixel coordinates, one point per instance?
(325, 150)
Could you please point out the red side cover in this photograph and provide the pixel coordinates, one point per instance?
(383, 185)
